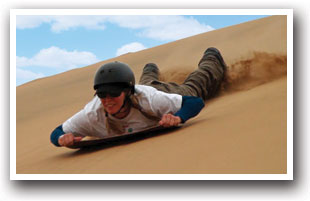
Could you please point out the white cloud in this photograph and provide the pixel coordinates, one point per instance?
(131, 47)
(158, 27)
(89, 22)
(23, 76)
(61, 23)
(162, 27)
(55, 57)
(31, 21)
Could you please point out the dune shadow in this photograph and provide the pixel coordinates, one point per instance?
(122, 141)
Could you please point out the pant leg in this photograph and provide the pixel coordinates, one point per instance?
(207, 79)
(150, 77)
(203, 82)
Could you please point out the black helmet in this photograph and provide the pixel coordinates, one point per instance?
(114, 73)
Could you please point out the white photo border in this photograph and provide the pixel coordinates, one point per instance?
(287, 176)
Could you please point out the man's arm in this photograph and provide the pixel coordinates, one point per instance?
(56, 134)
(191, 106)
(60, 138)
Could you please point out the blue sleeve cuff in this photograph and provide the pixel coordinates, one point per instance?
(191, 106)
(56, 134)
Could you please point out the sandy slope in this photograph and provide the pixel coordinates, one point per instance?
(241, 131)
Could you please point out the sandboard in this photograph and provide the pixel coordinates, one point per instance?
(127, 136)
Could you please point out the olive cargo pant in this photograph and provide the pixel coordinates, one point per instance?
(203, 82)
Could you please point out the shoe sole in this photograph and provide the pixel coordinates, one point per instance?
(215, 52)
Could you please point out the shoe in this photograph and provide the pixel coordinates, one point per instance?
(215, 52)
(151, 67)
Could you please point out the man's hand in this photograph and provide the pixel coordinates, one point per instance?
(169, 120)
(68, 140)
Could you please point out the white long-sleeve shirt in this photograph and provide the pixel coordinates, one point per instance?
(90, 121)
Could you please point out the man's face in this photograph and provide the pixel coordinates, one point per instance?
(113, 104)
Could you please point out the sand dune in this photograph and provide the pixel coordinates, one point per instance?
(243, 130)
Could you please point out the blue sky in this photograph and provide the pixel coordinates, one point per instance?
(48, 45)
